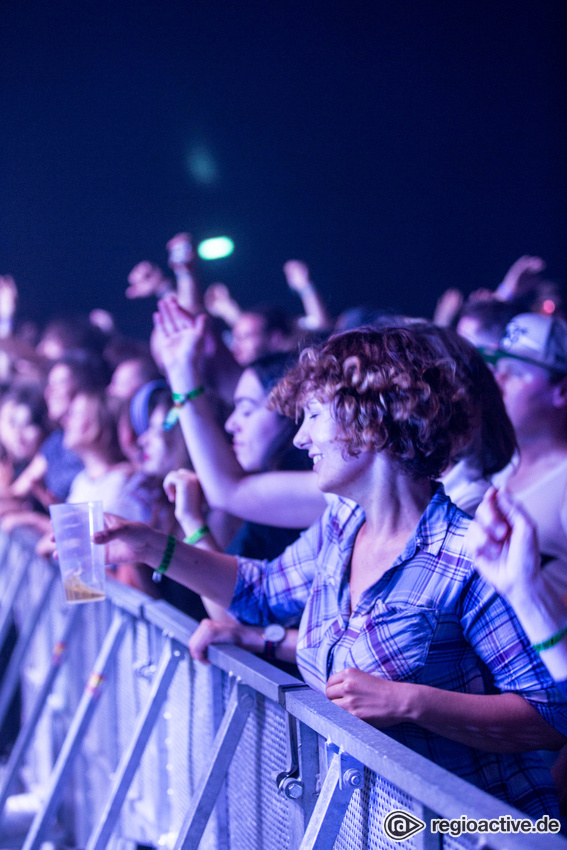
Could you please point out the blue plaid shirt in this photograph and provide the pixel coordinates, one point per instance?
(430, 619)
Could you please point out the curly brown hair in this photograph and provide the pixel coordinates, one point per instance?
(390, 390)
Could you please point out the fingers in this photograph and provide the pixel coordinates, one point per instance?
(172, 318)
(199, 642)
(170, 486)
(208, 632)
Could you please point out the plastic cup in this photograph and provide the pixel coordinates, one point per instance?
(81, 561)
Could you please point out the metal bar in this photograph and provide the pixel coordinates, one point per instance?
(77, 730)
(26, 732)
(17, 574)
(221, 807)
(241, 703)
(344, 776)
(302, 792)
(131, 758)
(11, 677)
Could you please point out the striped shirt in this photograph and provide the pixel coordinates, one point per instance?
(430, 619)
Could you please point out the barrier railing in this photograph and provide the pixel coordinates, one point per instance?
(125, 742)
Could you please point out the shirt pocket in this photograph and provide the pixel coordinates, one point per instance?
(395, 641)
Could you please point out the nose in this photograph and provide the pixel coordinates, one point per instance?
(231, 424)
(302, 439)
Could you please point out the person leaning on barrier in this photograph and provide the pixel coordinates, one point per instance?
(395, 625)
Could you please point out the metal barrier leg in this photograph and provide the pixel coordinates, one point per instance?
(344, 776)
(26, 732)
(131, 759)
(301, 792)
(77, 730)
(11, 677)
(241, 703)
(17, 575)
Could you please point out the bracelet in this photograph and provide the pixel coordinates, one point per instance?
(197, 535)
(179, 399)
(552, 641)
(166, 560)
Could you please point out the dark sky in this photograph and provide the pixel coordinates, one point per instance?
(398, 147)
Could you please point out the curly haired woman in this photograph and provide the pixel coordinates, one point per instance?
(395, 625)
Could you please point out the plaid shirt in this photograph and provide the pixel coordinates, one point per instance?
(430, 619)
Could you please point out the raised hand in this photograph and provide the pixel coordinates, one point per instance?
(179, 341)
(297, 275)
(502, 541)
(146, 279)
(180, 251)
(220, 303)
(447, 307)
(522, 274)
(8, 296)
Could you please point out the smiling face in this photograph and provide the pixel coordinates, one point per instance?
(254, 428)
(337, 471)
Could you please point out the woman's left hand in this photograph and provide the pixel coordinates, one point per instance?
(371, 698)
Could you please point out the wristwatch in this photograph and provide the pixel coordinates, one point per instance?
(273, 635)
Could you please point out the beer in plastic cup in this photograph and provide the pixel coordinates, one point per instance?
(81, 561)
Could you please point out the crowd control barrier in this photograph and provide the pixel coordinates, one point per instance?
(126, 743)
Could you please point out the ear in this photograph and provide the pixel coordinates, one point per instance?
(559, 395)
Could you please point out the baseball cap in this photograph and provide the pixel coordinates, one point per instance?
(533, 338)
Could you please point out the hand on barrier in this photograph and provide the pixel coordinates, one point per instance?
(380, 702)
(212, 631)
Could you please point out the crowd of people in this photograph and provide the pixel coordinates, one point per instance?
(304, 486)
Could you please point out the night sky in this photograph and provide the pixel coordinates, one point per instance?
(397, 147)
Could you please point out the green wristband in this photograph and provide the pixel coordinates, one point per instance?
(550, 642)
(197, 535)
(179, 399)
(166, 560)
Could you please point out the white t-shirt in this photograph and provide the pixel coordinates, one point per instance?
(545, 500)
(106, 488)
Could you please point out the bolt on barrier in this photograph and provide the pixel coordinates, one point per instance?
(125, 741)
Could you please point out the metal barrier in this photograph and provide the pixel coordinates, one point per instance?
(125, 742)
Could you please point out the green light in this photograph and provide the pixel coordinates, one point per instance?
(215, 248)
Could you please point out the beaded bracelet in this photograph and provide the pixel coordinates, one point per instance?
(179, 399)
(197, 535)
(552, 641)
(166, 560)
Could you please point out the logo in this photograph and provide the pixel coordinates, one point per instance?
(399, 825)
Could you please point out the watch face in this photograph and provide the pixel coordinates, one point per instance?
(274, 633)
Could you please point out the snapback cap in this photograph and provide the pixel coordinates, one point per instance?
(533, 338)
